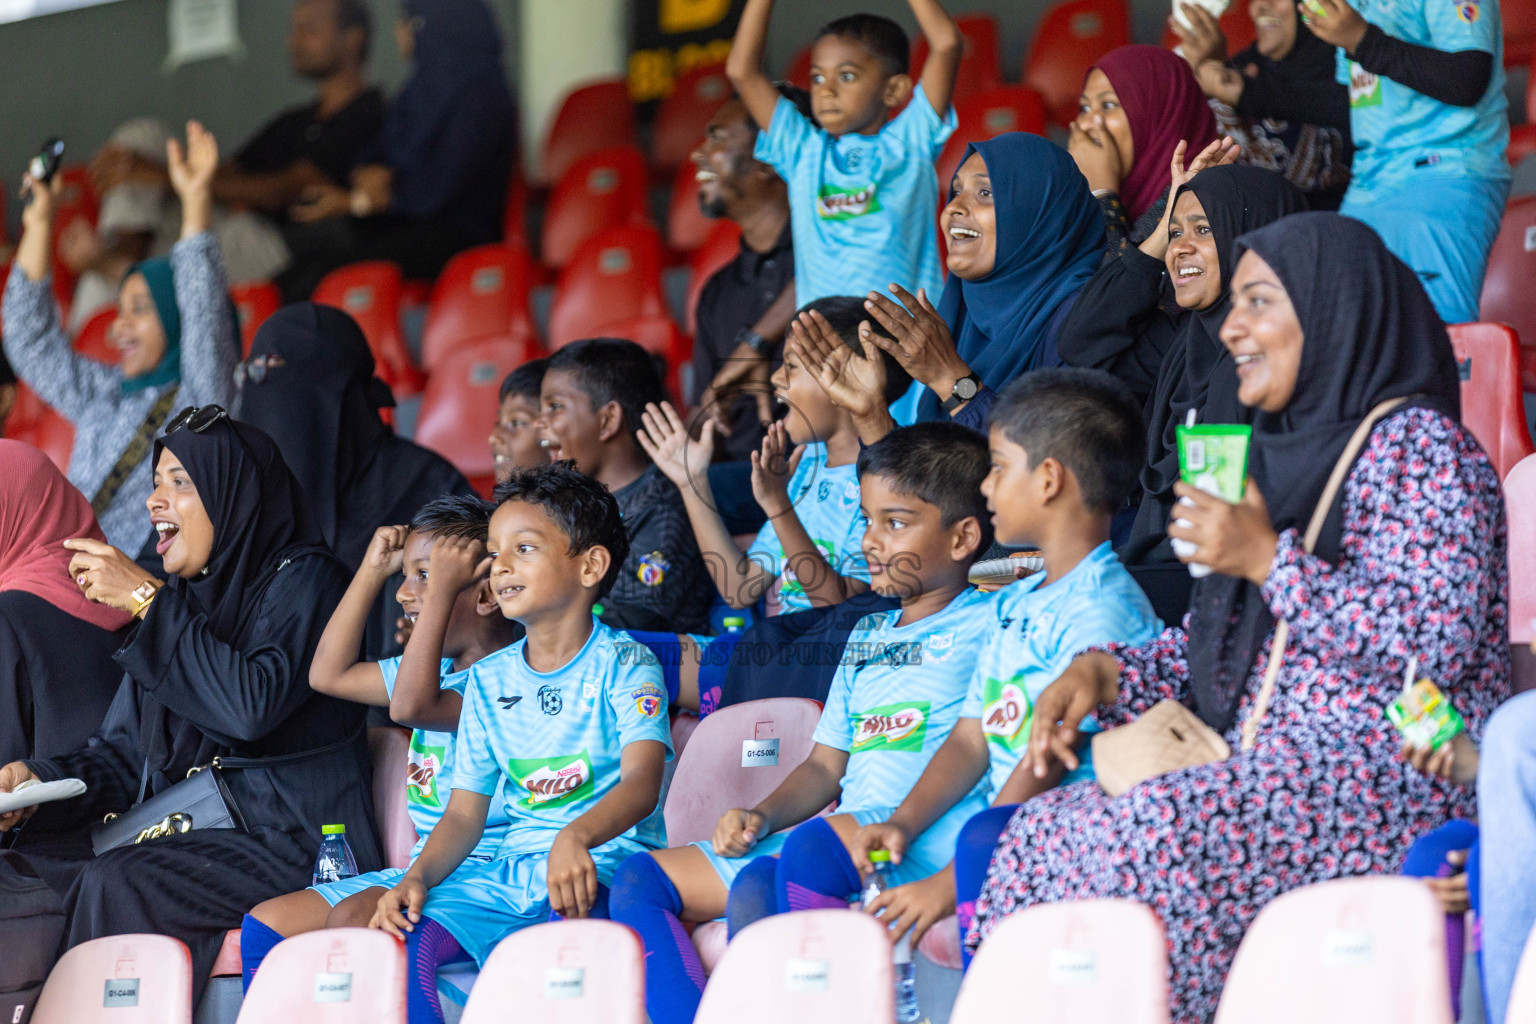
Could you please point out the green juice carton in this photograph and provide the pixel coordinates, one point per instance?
(1424, 717)
(1213, 457)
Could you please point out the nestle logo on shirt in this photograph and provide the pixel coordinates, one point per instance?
(835, 203)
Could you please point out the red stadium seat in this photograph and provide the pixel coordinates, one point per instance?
(331, 976)
(697, 95)
(980, 68)
(370, 294)
(591, 117)
(605, 189)
(659, 336)
(1236, 25)
(1519, 18)
(36, 423)
(687, 227)
(1071, 38)
(254, 302)
(799, 70)
(612, 276)
(1522, 141)
(1091, 961)
(1005, 108)
(514, 223)
(566, 972)
(93, 341)
(1520, 506)
(1488, 356)
(719, 248)
(77, 201)
(481, 293)
(812, 967)
(122, 979)
(1507, 296)
(458, 410)
(1365, 950)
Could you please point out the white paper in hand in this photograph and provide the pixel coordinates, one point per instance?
(32, 793)
(1216, 7)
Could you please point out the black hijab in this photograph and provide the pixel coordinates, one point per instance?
(322, 408)
(1197, 373)
(1370, 333)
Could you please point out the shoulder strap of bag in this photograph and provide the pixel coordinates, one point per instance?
(1309, 541)
(135, 452)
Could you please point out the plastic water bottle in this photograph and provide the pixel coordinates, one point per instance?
(335, 860)
(733, 624)
(907, 1011)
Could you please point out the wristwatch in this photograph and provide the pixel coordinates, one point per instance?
(142, 596)
(965, 389)
(756, 342)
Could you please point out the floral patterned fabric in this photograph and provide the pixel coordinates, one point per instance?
(1323, 794)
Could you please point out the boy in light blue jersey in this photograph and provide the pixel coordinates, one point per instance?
(807, 553)
(899, 687)
(1066, 447)
(438, 556)
(863, 196)
(1430, 125)
(565, 730)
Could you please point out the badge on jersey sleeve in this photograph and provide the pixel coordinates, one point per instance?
(1005, 711)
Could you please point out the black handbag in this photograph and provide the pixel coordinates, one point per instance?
(201, 800)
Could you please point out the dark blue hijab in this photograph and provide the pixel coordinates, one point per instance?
(457, 46)
(1050, 239)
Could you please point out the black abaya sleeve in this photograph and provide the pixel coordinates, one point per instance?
(237, 696)
(110, 764)
(1117, 324)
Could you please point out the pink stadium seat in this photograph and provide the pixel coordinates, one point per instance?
(568, 972)
(1520, 507)
(941, 943)
(254, 302)
(123, 979)
(1364, 950)
(1072, 36)
(370, 294)
(687, 227)
(813, 967)
(719, 248)
(684, 725)
(980, 68)
(481, 293)
(93, 342)
(604, 189)
(696, 96)
(459, 407)
(1522, 996)
(1003, 108)
(591, 117)
(1090, 962)
(1488, 356)
(334, 976)
(612, 276)
(1507, 287)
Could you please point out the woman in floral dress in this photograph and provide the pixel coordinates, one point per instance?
(1411, 561)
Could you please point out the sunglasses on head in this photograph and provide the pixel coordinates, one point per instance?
(196, 418)
(256, 368)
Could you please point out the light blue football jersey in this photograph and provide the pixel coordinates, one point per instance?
(827, 501)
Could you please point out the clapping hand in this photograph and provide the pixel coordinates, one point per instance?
(681, 459)
(919, 338)
(771, 470)
(854, 382)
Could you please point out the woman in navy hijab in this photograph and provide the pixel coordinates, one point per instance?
(1024, 235)
(435, 181)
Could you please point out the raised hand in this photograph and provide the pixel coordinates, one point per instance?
(743, 373)
(192, 170)
(1335, 22)
(1203, 40)
(386, 551)
(771, 470)
(919, 338)
(1217, 153)
(681, 459)
(454, 564)
(856, 383)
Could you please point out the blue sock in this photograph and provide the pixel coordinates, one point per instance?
(599, 906)
(973, 852)
(753, 896)
(256, 941)
(714, 664)
(645, 899)
(1426, 858)
(815, 870)
(669, 653)
(427, 948)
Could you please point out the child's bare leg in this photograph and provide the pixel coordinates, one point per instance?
(356, 910)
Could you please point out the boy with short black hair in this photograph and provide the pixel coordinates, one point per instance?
(808, 552)
(1065, 449)
(899, 687)
(515, 439)
(862, 192)
(591, 399)
(439, 556)
(563, 729)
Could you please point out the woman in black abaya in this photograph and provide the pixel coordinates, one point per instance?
(309, 385)
(216, 666)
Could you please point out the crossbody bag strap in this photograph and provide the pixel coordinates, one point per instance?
(135, 452)
(1309, 541)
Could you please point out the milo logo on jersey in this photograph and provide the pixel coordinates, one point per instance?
(1364, 87)
(892, 727)
(789, 583)
(425, 764)
(833, 203)
(553, 781)
(1005, 712)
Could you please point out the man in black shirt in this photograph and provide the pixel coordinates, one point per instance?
(747, 305)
